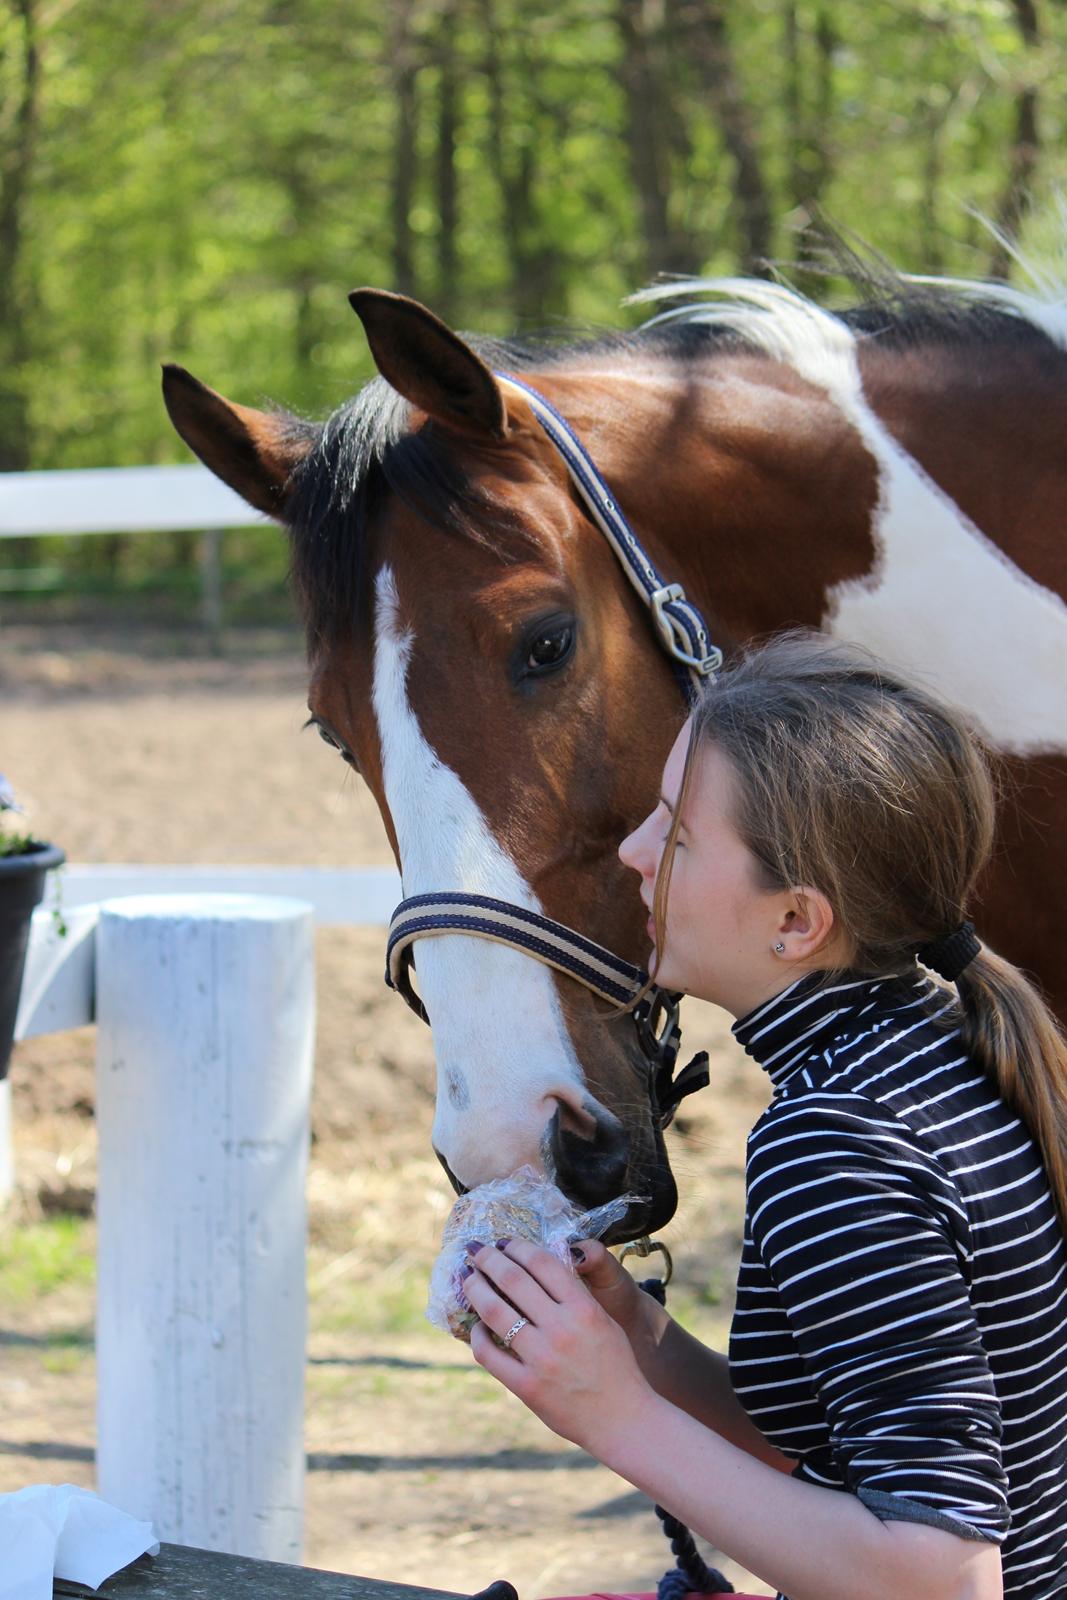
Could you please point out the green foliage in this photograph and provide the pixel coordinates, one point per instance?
(15, 843)
(203, 181)
(38, 1260)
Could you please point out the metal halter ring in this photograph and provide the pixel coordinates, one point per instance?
(512, 1331)
(648, 1247)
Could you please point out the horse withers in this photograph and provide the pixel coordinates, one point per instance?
(894, 475)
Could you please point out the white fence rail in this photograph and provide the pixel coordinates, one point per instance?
(58, 990)
(119, 500)
(128, 500)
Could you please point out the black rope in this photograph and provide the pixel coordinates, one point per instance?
(691, 1573)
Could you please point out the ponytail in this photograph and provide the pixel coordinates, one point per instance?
(1010, 1032)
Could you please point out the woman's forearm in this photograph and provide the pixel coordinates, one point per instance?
(813, 1543)
(697, 1380)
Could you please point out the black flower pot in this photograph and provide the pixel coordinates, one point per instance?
(22, 880)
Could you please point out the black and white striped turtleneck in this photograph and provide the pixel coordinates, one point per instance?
(901, 1321)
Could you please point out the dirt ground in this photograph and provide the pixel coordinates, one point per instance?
(420, 1469)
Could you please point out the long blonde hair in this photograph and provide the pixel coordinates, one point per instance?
(863, 785)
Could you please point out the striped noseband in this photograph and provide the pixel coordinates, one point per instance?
(681, 631)
(655, 1015)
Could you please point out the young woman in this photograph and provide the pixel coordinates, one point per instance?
(892, 1417)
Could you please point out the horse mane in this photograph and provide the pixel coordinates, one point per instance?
(366, 449)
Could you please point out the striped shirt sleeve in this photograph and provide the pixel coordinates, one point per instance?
(866, 1242)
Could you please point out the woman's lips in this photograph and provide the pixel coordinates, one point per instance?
(650, 929)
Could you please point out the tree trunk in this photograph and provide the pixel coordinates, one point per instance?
(403, 68)
(793, 101)
(1016, 198)
(16, 162)
(649, 135)
(533, 268)
(809, 110)
(708, 46)
(821, 146)
(447, 195)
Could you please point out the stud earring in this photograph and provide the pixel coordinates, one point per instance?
(779, 948)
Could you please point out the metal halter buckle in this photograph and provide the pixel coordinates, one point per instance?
(672, 635)
(656, 1018)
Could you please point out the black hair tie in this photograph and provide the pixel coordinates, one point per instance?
(948, 955)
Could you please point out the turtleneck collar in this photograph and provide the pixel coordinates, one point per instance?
(806, 1018)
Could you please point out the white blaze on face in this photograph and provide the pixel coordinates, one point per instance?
(504, 1057)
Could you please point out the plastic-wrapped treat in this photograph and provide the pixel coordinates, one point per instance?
(525, 1206)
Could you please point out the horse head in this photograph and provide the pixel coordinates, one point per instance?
(475, 655)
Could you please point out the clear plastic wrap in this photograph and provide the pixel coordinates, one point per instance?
(526, 1205)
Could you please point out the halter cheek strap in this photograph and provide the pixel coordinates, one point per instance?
(679, 625)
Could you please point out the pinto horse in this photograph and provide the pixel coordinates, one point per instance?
(895, 475)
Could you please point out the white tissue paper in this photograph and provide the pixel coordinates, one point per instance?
(57, 1531)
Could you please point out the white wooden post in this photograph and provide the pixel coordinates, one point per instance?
(205, 1012)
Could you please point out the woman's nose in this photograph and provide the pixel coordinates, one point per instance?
(634, 851)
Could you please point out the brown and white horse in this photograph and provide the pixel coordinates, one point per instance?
(896, 475)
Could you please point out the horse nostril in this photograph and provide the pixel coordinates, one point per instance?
(577, 1117)
(589, 1167)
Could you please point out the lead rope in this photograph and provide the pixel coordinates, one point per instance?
(691, 1573)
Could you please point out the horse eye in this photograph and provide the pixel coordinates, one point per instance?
(327, 738)
(550, 649)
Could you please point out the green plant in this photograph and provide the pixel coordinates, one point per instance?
(13, 842)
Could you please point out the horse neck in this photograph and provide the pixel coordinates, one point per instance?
(725, 473)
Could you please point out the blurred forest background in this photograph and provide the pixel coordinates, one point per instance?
(203, 181)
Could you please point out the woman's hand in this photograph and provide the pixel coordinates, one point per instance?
(612, 1287)
(569, 1362)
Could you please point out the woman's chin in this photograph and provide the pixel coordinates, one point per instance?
(660, 970)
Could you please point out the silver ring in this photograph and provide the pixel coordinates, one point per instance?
(506, 1340)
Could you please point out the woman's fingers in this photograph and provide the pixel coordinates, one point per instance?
(504, 1365)
(595, 1264)
(523, 1273)
(498, 1314)
(516, 1278)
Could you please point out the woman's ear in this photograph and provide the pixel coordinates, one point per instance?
(807, 927)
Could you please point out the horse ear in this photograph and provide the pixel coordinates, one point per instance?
(429, 364)
(254, 452)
